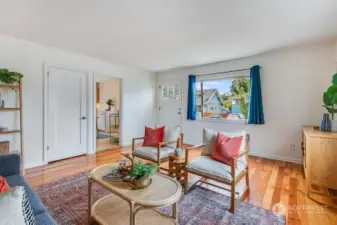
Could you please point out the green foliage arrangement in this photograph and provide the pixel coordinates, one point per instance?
(140, 170)
(110, 102)
(9, 77)
(330, 97)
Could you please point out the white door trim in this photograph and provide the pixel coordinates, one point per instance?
(93, 107)
(46, 66)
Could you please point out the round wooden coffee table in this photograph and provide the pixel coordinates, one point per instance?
(127, 206)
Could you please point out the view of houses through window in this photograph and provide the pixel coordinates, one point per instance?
(225, 98)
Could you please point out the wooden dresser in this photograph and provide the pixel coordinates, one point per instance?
(320, 164)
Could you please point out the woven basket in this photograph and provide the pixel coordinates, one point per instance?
(4, 147)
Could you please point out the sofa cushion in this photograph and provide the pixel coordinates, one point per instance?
(151, 152)
(9, 165)
(3, 185)
(44, 219)
(15, 207)
(208, 166)
(34, 199)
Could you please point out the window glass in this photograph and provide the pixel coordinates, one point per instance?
(224, 98)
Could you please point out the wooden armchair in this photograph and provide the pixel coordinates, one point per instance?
(162, 150)
(208, 168)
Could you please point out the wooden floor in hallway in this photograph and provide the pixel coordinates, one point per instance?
(271, 182)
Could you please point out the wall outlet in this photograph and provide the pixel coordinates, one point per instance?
(292, 147)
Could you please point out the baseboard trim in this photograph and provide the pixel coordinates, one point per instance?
(32, 165)
(277, 157)
(267, 156)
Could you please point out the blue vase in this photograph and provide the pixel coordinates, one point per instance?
(325, 123)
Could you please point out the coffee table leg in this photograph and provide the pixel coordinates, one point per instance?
(89, 201)
(132, 213)
(175, 211)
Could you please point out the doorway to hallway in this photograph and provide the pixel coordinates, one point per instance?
(108, 102)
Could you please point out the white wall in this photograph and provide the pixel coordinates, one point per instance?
(336, 51)
(28, 58)
(293, 81)
(109, 89)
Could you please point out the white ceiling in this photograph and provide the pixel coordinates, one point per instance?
(162, 34)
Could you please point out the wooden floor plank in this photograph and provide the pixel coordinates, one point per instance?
(271, 182)
(270, 190)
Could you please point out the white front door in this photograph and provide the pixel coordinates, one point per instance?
(66, 113)
(169, 101)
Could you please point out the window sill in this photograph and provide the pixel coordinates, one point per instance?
(222, 120)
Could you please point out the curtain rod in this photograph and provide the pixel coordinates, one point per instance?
(224, 72)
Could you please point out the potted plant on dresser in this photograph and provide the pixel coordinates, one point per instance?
(110, 104)
(330, 102)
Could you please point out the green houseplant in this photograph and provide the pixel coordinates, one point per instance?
(141, 174)
(9, 77)
(330, 101)
(110, 103)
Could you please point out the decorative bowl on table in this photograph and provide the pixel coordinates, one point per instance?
(137, 173)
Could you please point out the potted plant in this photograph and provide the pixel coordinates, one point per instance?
(9, 77)
(140, 175)
(110, 103)
(330, 102)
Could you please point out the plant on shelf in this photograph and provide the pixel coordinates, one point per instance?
(9, 77)
(330, 101)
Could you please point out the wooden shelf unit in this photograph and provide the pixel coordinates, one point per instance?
(10, 131)
(9, 86)
(20, 131)
(9, 109)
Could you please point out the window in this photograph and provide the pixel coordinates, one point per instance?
(222, 97)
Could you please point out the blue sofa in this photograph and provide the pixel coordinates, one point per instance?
(10, 170)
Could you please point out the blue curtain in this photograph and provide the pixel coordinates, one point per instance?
(255, 113)
(191, 104)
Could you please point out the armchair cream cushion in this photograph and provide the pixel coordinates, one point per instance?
(209, 137)
(172, 134)
(208, 166)
(151, 152)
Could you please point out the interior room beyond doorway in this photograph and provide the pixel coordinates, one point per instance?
(108, 103)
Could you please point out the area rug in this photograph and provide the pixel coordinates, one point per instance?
(102, 135)
(67, 201)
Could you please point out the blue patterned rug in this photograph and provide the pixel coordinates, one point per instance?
(102, 135)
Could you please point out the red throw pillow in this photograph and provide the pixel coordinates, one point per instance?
(225, 148)
(153, 136)
(3, 185)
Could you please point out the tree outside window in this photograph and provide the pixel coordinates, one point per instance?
(225, 98)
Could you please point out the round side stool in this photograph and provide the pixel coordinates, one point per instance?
(177, 167)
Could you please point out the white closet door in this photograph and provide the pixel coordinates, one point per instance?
(66, 114)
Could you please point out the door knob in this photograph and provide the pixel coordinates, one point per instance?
(83, 118)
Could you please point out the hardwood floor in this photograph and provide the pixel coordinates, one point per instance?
(271, 182)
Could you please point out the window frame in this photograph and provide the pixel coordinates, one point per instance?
(231, 75)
